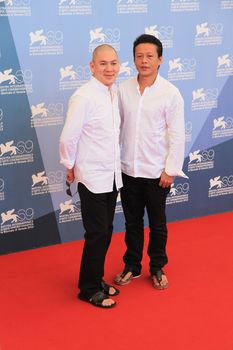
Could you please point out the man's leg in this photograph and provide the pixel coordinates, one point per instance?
(111, 205)
(133, 203)
(155, 204)
(94, 208)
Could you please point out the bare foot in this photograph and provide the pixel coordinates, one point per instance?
(108, 302)
(123, 278)
(159, 280)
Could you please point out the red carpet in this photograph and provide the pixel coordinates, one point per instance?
(39, 309)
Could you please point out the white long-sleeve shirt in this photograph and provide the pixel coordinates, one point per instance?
(152, 129)
(90, 138)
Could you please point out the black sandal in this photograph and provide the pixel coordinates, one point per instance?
(106, 289)
(97, 300)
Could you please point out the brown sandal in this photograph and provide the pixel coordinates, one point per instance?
(157, 280)
(125, 277)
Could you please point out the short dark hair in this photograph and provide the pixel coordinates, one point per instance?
(148, 39)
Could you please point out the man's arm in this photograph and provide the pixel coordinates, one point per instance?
(120, 106)
(77, 112)
(176, 137)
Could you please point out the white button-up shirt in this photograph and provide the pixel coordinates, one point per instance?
(90, 138)
(152, 129)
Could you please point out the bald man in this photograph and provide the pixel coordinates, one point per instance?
(89, 149)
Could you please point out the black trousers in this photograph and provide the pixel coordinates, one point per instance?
(136, 195)
(97, 214)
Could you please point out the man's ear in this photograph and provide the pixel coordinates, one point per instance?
(92, 67)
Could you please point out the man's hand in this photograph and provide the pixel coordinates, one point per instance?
(70, 175)
(166, 180)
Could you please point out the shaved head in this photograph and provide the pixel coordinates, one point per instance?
(105, 64)
(102, 48)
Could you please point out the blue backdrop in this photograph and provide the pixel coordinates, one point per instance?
(45, 48)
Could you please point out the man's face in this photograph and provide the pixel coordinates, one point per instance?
(105, 66)
(146, 59)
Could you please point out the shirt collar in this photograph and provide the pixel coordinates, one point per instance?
(153, 86)
(101, 86)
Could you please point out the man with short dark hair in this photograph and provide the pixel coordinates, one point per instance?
(152, 144)
(89, 149)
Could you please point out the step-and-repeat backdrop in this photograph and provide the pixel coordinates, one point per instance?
(45, 48)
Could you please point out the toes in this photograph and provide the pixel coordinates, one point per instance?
(126, 277)
(160, 284)
(108, 302)
(112, 291)
(164, 281)
(123, 278)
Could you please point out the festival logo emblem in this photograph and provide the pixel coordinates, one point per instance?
(178, 193)
(199, 94)
(204, 98)
(50, 115)
(201, 160)
(151, 30)
(219, 123)
(8, 147)
(9, 216)
(50, 43)
(97, 35)
(224, 66)
(202, 30)
(215, 182)
(224, 61)
(208, 34)
(6, 76)
(16, 221)
(222, 127)
(176, 65)
(15, 83)
(38, 37)
(220, 186)
(182, 69)
(75, 7)
(69, 211)
(39, 178)
(163, 33)
(131, 6)
(39, 109)
(73, 77)
(11, 154)
(15, 8)
(126, 71)
(109, 36)
(43, 184)
(67, 73)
